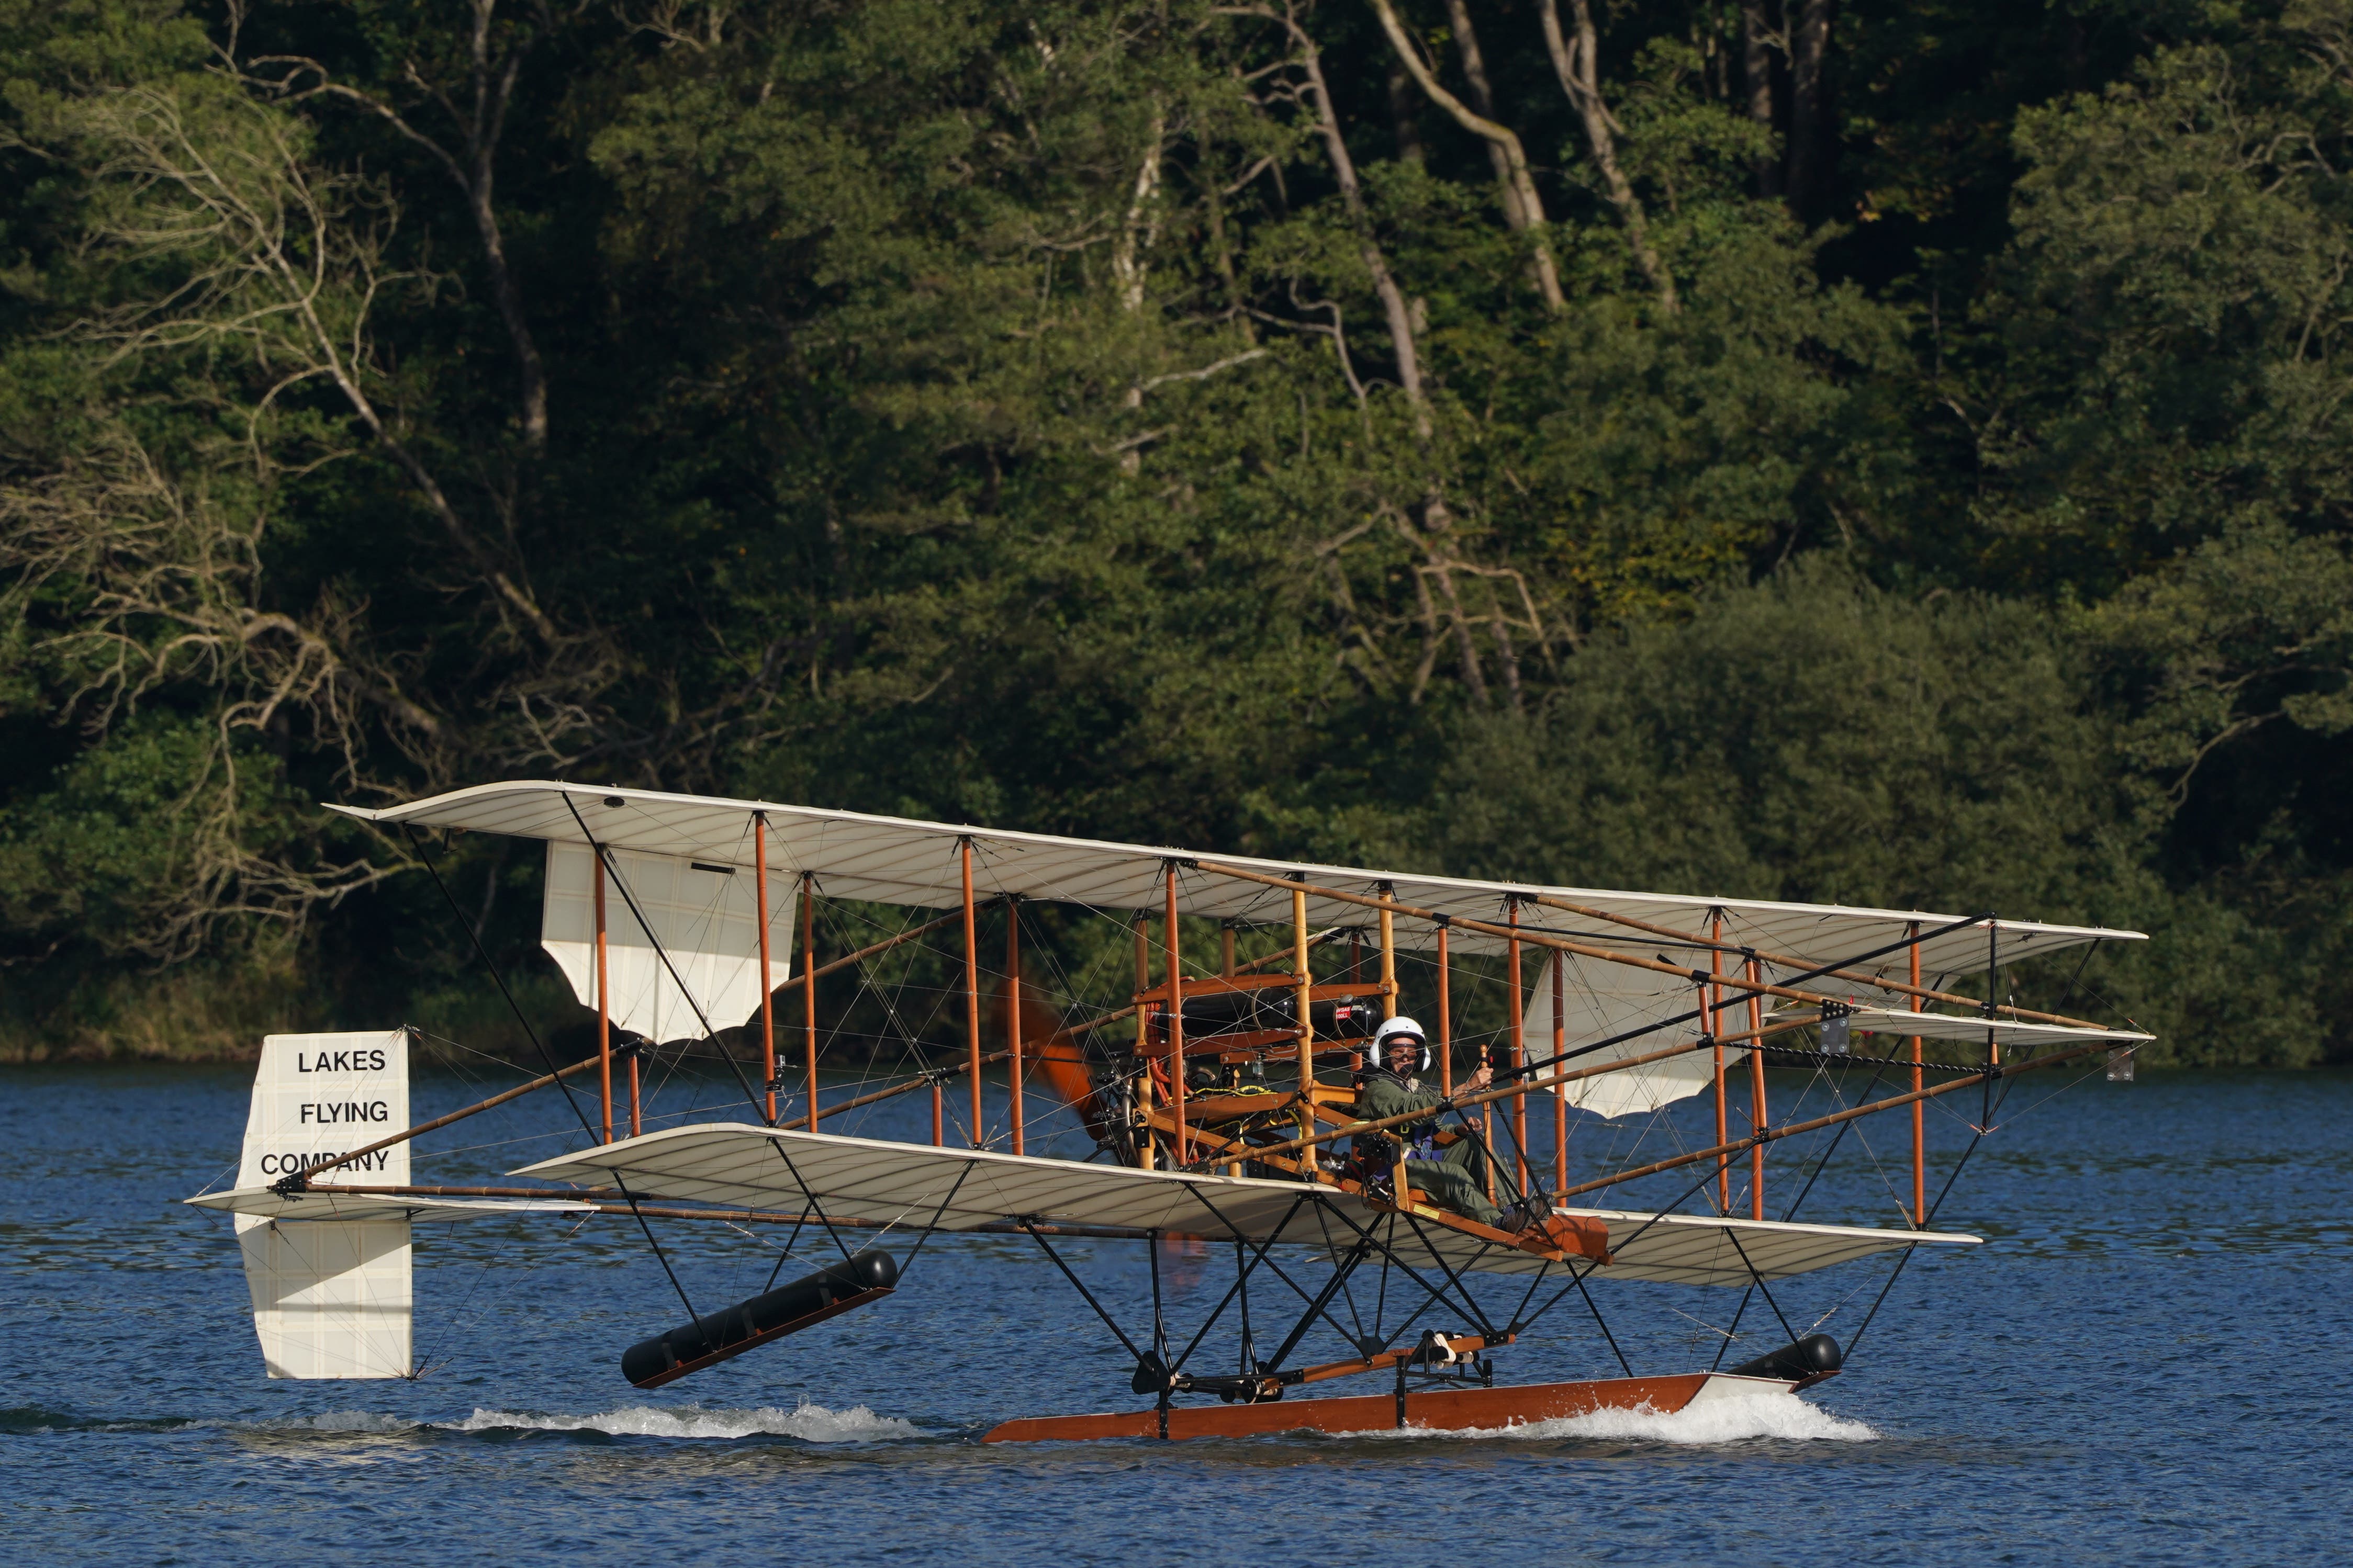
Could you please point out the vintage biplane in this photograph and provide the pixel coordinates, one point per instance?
(1217, 1094)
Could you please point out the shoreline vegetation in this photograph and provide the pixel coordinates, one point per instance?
(1894, 452)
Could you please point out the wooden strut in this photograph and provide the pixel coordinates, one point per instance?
(1756, 1114)
(1388, 955)
(809, 988)
(1919, 1116)
(1723, 1126)
(1172, 963)
(1518, 1021)
(767, 968)
(1225, 971)
(1013, 1011)
(1146, 1147)
(636, 1117)
(1445, 1022)
(972, 992)
(1560, 1097)
(1303, 998)
(604, 1008)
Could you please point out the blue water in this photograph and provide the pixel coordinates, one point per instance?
(2148, 1363)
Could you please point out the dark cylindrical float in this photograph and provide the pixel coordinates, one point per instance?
(731, 1331)
(1816, 1355)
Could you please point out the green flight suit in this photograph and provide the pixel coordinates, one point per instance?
(1455, 1178)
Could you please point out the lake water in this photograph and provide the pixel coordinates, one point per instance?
(2149, 1362)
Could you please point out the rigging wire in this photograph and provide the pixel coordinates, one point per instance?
(548, 1056)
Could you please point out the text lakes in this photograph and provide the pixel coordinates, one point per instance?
(340, 1061)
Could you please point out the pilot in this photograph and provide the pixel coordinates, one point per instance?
(1456, 1176)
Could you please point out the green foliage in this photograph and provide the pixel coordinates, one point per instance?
(1026, 414)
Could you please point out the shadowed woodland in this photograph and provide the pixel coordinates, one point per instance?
(1886, 451)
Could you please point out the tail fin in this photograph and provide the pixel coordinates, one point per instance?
(331, 1297)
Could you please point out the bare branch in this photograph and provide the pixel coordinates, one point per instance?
(1522, 209)
(1575, 63)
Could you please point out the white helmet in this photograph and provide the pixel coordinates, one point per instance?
(1395, 1028)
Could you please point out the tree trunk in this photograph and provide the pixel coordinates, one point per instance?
(482, 132)
(1522, 209)
(1401, 113)
(1813, 148)
(1395, 313)
(1580, 79)
(1130, 253)
(1482, 98)
(1756, 76)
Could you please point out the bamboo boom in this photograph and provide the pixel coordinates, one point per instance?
(1100, 1019)
(583, 1065)
(1913, 989)
(1289, 954)
(1772, 1135)
(888, 942)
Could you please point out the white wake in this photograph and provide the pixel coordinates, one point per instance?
(1734, 1419)
(809, 1422)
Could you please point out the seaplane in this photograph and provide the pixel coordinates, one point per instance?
(1225, 1092)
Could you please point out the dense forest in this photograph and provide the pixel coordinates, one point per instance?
(1875, 450)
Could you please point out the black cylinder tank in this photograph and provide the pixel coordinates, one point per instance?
(731, 1331)
(1816, 1355)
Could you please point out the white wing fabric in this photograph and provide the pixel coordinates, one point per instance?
(1604, 999)
(707, 918)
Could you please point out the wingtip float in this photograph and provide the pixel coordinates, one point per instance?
(1251, 1105)
(867, 1276)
